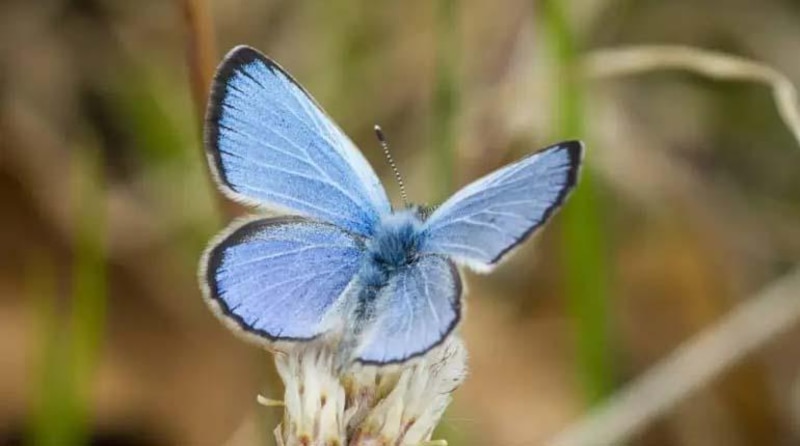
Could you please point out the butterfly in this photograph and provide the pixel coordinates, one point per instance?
(342, 260)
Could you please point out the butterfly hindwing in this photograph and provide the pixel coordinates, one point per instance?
(270, 144)
(484, 220)
(279, 278)
(415, 311)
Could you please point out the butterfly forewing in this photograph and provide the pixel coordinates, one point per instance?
(484, 220)
(272, 145)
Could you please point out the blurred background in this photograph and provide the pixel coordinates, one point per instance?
(689, 207)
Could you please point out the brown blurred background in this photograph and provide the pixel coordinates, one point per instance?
(690, 207)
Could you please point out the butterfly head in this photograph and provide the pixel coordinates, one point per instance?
(395, 241)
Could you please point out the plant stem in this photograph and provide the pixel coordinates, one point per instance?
(584, 249)
(89, 278)
(446, 95)
(201, 52)
(70, 348)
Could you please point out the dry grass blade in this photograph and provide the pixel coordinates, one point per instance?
(694, 364)
(625, 61)
(745, 329)
(201, 53)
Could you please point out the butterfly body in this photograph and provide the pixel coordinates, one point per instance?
(344, 265)
(393, 246)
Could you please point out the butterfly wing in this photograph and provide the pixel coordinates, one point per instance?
(279, 278)
(417, 309)
(486, 219)
(270, 144)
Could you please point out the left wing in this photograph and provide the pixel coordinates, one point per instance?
(270, 144)
(416, 311)
(484, 220)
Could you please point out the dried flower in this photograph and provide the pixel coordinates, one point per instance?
(365, 405)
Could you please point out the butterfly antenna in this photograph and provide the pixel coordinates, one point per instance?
(385, 146)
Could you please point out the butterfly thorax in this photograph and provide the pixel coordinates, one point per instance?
(392, 246)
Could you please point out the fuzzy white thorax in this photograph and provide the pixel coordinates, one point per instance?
(365, 405)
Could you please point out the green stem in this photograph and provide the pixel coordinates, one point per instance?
(53, 399)
(446, 94)
(89, 280)
(69, 352)
(584, 248)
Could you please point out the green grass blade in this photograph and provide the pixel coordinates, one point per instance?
(584, 248)
(53, 401)
(446, 96)
(70, 345)
(89, 281)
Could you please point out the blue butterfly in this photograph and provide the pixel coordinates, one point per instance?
(344, 262)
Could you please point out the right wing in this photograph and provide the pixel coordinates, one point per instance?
(270, 144)
(482, 222)
(279, 278)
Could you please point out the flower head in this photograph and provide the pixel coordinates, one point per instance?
(365, 405)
